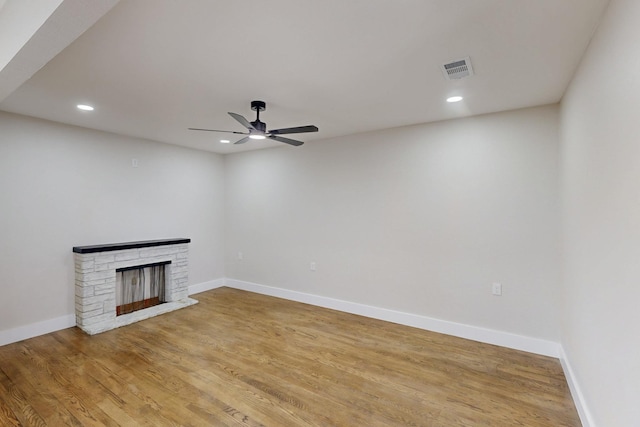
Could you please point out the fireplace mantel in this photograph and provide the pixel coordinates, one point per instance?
(95, 268)
(127, 245)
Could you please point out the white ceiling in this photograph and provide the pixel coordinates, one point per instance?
(153, 68)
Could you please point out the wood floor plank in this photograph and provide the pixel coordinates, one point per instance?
(19, 408)
(7, 416)
(284, 368)
(235, 372)
(46, 386)
(314, 376)
(139, 382)
(243, 359)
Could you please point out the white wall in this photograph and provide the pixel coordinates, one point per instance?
(418, 219)
(64, 186)
(601, 214)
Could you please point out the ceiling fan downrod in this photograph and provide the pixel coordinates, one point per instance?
(259, 106)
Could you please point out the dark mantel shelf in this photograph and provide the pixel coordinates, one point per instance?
(127, 245)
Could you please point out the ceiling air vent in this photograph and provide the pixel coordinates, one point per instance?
(458, 69)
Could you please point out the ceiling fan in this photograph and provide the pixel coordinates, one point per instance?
(258, 129)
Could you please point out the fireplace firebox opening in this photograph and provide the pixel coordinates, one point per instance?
(139, 287)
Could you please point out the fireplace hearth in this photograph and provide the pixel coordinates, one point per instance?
(156, 270)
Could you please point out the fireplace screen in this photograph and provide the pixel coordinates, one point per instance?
(139, 287)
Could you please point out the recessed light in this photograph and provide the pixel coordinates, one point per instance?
(225, 141)
(454, 99)
(85, 107)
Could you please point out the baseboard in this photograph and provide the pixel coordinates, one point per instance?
(576, 392)
(205, 286)
(40, 328)
(489, 336)
(35, 329)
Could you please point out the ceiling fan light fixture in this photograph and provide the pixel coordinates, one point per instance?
(257, 136)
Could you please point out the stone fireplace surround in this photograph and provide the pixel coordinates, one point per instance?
(95, 271)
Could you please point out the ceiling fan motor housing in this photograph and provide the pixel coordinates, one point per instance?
(258, 106)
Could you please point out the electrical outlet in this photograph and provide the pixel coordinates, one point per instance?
(312, 266)
(134, 163)
(496, 289)
(240, 256)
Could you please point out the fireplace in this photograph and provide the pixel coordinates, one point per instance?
(121, 283)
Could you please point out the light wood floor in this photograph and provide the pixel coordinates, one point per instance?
(239, 358)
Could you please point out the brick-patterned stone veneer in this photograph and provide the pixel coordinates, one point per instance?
(96, 281)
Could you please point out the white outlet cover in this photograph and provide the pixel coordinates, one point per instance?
(496, 289)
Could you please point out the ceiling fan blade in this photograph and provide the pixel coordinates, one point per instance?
(299, 129)
(215, 130)
(286, 140)
(244, 122)
(242, 141)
